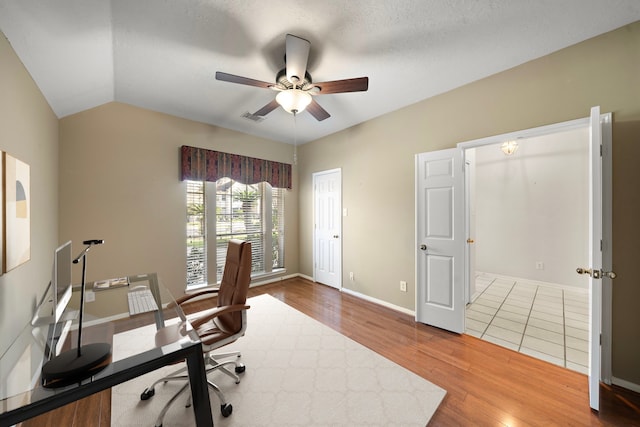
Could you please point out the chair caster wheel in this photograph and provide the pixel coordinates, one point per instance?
(226, 409)
(240, 369)
(147, 394)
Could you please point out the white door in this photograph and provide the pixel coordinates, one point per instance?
(327, 236)
(599, 144)
(440, 239)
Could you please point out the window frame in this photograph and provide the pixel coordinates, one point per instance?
(267, 226)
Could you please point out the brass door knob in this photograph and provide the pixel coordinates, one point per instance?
(596, 274)
(581, 270)
(470, 241)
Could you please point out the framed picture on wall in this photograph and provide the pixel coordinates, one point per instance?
(17, 212)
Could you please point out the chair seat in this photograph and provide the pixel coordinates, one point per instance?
(208, 333)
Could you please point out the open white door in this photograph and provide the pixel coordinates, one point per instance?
(440, 239)
(327, 233)
(595, 256)
(595, 270)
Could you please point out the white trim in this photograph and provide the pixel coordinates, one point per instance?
(363, 296)
(379, 302)
(625, 384)
(272, 279)
(526, 133)
(538, 282)
(607, 253)
(304, 276)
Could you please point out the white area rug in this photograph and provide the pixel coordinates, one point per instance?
(299, 373)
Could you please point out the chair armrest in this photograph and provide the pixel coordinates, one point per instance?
(205, 316)
(187, 297)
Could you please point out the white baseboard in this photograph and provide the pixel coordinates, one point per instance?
(304, 276)
(379, 302)
(626, 384)
(273, 280)
(361, 296)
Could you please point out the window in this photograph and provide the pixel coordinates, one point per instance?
(227, 209)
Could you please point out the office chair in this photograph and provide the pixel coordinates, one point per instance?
(216, 327)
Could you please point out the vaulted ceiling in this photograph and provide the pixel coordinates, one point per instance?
(163, 54)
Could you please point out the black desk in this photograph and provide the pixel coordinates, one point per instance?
(22, 395)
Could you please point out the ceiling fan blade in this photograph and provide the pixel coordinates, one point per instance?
(267, 108)
(297, 54)
(317, 111)
(241, 80)
(359, 84)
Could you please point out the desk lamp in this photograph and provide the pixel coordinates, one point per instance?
(85, 360)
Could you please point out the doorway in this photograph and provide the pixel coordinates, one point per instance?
(529, 210)
(440, 255)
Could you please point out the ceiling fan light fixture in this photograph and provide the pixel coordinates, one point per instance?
(293, 101)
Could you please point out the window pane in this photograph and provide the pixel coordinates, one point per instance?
(254, 213)
(196, 235)
(239, 216)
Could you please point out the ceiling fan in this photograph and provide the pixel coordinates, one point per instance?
(294, 83)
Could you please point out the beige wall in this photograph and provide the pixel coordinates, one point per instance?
(119, 181)
(29, 132)
(377, 161)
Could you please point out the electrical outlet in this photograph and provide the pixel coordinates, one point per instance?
(539, 265)
(403, 286)
(89, 296)
(351, 276)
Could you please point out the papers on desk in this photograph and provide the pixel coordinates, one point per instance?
(100, 285)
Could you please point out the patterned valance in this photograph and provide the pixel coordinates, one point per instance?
(200, 164)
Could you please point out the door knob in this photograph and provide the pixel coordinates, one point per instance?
(335, 236)
(423, 247)
(581, 270)
(596, 274)
(470, 241)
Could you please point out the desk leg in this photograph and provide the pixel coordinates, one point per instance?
(199, 388)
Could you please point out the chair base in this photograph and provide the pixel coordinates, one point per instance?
(215, 363)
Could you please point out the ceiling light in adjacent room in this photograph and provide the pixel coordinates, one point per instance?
(509, 147)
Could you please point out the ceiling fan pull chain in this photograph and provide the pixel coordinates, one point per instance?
(295, 138)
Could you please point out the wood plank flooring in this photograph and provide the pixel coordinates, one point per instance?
(486, 385)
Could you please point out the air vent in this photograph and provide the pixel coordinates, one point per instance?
(252, 117)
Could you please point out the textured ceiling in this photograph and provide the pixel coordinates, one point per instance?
(163, 54)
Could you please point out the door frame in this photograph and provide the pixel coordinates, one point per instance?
(314, 176)
(607, 232)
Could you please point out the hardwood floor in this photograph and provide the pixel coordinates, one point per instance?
(486, 385)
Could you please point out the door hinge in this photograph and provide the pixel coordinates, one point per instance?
(600, 339)
(600, 150)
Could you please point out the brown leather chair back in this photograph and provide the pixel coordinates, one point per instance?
(235, 283)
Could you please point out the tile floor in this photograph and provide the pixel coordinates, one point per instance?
(546, 322)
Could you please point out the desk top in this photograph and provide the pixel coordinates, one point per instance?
(20, 384)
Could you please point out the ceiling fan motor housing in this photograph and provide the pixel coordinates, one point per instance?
(284, 83)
